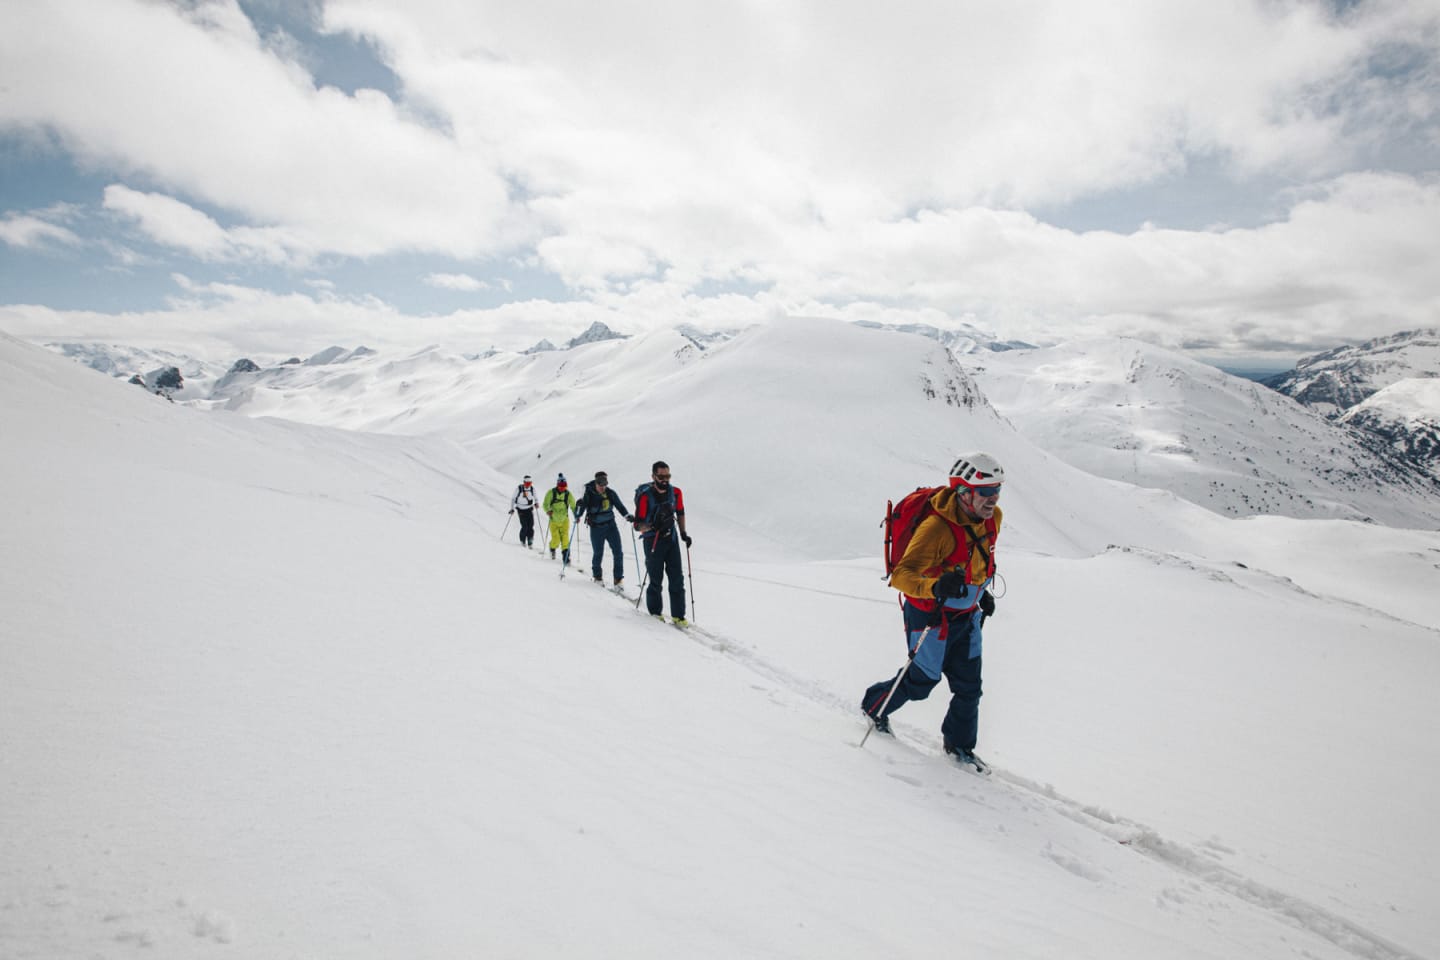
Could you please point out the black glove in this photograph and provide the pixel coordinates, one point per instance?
(950, 584)
(987, 604)
(686, 538)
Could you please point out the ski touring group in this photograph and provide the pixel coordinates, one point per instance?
(658, 519)
(939, 554)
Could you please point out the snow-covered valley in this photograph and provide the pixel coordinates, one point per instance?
(276, 689)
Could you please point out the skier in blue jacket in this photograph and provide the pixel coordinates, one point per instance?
(598, 505)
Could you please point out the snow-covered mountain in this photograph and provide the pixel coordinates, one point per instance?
(280, 690)
(1336, 380)
(597, 333)
(1405, 414)
(1118, 409)
(1138, 413)
(157, 370)
(1397, 372)
(963, 338)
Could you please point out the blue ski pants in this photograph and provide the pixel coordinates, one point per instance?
(601, 534)
(950, 648)
(662, 557)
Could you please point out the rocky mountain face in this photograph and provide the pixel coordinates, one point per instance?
(171, 375)
(1387, 390)
(1138, 413)
(598, 333)
(1334, 381)
(1405, 418)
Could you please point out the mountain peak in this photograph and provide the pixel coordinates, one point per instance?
(598, 332)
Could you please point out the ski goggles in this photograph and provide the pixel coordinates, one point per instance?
(984, 493)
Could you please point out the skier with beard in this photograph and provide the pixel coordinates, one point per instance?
(659, 509)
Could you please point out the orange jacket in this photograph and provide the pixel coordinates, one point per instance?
(934, 542)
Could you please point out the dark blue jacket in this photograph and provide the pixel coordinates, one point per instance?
(600, 506)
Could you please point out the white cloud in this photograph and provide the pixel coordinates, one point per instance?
(212, 113)
(26, 231)
(838, 156)
(456, 281)
(172, 223)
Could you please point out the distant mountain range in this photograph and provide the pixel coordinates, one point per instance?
(1387, 389)
(1118, 409)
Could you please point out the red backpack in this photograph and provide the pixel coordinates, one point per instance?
(903, 519)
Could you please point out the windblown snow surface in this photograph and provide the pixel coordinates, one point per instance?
(273, 689)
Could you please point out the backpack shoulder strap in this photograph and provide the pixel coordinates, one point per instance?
(985, 545)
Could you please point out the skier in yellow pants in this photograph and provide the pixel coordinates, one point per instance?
(558, 503)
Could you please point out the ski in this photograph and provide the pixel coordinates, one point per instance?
(969, 762)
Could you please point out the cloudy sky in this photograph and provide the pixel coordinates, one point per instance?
(1251, 178)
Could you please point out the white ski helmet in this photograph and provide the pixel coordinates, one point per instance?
(977, 470)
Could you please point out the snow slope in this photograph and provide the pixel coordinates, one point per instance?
(1116, 408)
(1134, 412)
(269, 689)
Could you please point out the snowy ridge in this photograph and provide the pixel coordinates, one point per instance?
(1336, 380)
(1406, 415)
(967, 338)
(1132, 412)
(198, 376)
(1119, 409)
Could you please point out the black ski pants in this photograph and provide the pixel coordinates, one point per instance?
(662, 557)
(960, 728)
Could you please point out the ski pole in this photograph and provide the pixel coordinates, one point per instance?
(644, 578)
(691, 575)
(896, 685)
(635, 546)
(565, 557)
(507, 524)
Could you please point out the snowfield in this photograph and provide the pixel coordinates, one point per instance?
(270, 688)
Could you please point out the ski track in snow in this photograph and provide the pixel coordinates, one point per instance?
(1196, 865)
